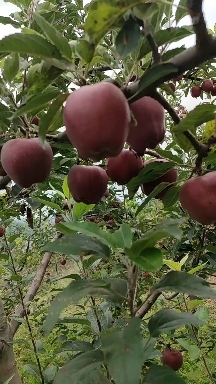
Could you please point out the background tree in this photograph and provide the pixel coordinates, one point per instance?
(87, 256)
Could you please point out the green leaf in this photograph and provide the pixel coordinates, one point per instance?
(54, 36)
(48, 203)
(74, 320)
(128, 38)
(162, 375)
(167, 228)
(11, 66)
(193, 351)
(49, 118)
(166, 320)
(154, 74)
(150, 172)
(65, 188)
(72, 294)
(50, 373)
(77, 244)
(77, 346)
(80, 209)
(79, 367)
(198, 116)
(7, 20)
(123, 236)
(32, 369)
(31, 44)
(181, 10)
(150, 259)
(159, 188)
(171, 197)
(36, 102)
(183, 282)
(92, 230)
(85, 50)
(123, 352)
(169, 155)
(164, 36)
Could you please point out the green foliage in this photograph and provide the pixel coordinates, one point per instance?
(95, 277)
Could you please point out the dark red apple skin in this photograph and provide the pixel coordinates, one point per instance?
(213, 91)
(26, 162)
(150, 128)
(196, 91)
(97, 119)
(2, 230)
(87, 184)
(207, 85)
(197, 197)
(172, 358)
(124, 167)
(170, 177)
(2, 172)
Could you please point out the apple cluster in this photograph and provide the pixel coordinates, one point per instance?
(99, 123)
(206, 86)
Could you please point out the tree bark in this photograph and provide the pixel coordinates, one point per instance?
(8, 366)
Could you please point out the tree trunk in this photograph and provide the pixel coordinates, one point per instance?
(8, 366)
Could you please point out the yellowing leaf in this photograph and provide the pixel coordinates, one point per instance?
(65, 188)
(183, 261)
(173, 265)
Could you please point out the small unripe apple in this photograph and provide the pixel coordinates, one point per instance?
(2, 230)
(87, 184)
(26, 161)
(207, 86)
(62, 261)
(173, 358)
(195, 91)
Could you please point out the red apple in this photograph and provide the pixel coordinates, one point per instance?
(172, 358)
(150, 128)
(62, 261)
(124, 167)
(196, 91)
(170, 177)
(26, 161)
(207, 85)
(2, 230)
(97, 120)
(87, 184)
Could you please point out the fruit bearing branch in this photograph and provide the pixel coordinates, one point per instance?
(204, 50)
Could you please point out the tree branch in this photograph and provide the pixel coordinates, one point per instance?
(154, 47)
(184, 61)
(199, 24)
(8, 366)
(148, 303)
(4, 182)
(35, 285)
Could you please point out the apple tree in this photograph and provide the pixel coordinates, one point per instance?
(90, 109)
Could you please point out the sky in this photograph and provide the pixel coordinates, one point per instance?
(210, 15)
